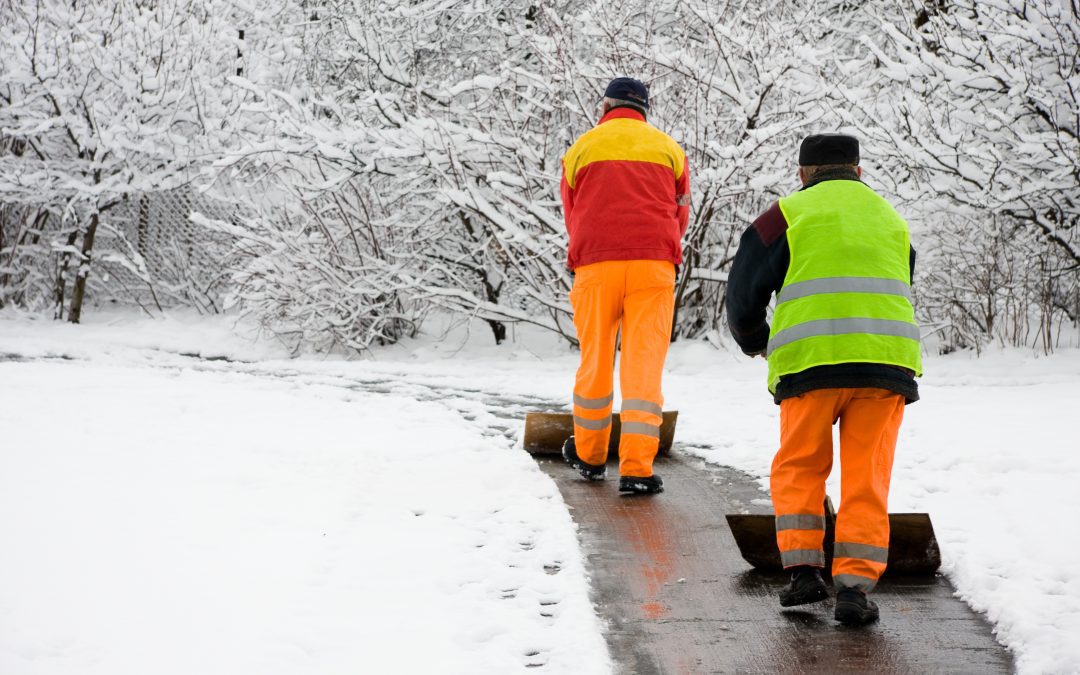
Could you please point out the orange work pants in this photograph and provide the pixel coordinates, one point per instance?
(869, 424)
(639, 296)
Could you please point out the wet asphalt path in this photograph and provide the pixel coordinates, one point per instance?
(678, 598)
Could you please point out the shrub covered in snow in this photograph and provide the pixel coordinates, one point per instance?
(381, 161)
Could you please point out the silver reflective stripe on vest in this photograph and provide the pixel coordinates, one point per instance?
(593, 425)
(643, 428)
(803, 289)
(818, 327)
(843, 549)
(801, 521)
(642, 405)
(802, 556)
(864, 584)
(593, 403)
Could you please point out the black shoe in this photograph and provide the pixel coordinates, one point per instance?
(806, 586)
(648, 485)
(853, 608)
(588, 471)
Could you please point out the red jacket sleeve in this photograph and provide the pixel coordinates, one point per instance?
(682, 197)
(567, 200)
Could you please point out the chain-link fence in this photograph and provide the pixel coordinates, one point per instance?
(150, 253)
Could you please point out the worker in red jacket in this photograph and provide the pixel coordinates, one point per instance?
(626, 201)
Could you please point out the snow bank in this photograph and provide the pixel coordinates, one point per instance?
(172, 521)
(130, 337)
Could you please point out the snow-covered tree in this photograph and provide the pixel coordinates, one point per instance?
(452, 119)
(974, 109)
(102, 104)
(432, 143)
(382, 161)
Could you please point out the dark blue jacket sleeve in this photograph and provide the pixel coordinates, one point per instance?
(757, 272)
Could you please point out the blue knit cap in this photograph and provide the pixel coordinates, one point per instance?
(628, 89)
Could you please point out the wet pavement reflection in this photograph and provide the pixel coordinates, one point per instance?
(678, 598)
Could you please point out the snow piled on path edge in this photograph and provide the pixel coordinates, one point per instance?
(184, 521)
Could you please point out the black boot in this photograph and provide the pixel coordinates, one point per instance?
(588, 471)
(649, 485)
(806, 586)
(853, 608)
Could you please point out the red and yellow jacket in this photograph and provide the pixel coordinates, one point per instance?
(625, 192)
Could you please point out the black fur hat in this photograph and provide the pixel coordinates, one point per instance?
(822, 149)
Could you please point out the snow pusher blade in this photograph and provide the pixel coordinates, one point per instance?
(546, 432)
(913, 548)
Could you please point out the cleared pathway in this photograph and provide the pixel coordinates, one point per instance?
(678, 598)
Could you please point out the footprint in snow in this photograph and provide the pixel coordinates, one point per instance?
(548, 607)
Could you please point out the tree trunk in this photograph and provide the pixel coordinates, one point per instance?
(499, 329)
(77, 295)
(60, 290)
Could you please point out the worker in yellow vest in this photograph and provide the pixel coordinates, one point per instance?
(843, 347)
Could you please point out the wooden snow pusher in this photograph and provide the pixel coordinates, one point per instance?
(913, 548)
(545, 432)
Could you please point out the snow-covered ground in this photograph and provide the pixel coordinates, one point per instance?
(157, 518)
(164, 513)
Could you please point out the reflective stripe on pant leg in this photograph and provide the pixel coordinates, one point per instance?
(803, 556)
(800, 538)
(592, 436)
(640, 436)
(846, 549)
(800, 521)
(644, 428)
(593, 425)
(864, 584)
(648, 309)
(597, 302)
(586, 409)
(858, 565)
(643, 405)
(869, 424)
(647, 423)
(594, 403)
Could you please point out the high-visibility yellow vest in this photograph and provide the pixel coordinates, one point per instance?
(847, 294)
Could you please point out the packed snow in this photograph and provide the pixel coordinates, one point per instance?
(159, 518)
(175, 497)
